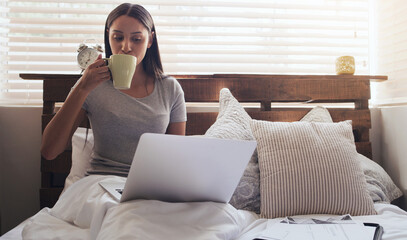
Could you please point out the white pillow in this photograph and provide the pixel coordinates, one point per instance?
(81, 155)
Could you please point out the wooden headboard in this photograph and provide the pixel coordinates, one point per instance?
(267, 90)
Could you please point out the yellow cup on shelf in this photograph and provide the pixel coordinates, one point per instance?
(345, 65)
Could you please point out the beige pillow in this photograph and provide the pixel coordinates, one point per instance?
(309, 168)
(380, 186)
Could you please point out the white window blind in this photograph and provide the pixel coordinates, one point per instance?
(3, 47)
(391, 52)
(195, 37)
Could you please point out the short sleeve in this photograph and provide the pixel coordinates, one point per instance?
(178, 110)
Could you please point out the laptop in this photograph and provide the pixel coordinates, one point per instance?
(175, 168)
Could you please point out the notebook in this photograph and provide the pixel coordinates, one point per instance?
(175, 168)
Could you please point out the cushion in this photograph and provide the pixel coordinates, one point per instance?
(233, 122)
(82, 147)
(317, 114)
(379, 184)
(309, 168)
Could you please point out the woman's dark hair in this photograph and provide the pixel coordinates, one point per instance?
(152, 61)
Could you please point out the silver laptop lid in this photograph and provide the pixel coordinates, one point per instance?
(186, 168)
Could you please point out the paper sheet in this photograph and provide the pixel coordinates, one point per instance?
(340, 228)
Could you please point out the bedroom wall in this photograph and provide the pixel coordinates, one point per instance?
(390, 134)
(20, 137)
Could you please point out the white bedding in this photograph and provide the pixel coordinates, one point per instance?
(392, 218)
(94, 214)
(86, 211)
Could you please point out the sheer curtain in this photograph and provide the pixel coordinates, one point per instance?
(195, 36)
(390, 52)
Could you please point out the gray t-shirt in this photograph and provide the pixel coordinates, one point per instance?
(118, 120)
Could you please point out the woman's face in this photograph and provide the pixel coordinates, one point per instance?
(128, 36)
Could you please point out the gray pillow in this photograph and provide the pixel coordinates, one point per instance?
(317, 114)
(379, 184)
(233, 122)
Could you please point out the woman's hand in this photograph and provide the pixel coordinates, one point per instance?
(94, 74)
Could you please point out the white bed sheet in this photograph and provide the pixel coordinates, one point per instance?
(96, 215)
(15, 233)
(392, 218)
(46, 226)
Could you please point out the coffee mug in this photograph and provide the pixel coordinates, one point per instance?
(122, 67)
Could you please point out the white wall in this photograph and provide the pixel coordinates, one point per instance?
(392, 122)
(20, 138)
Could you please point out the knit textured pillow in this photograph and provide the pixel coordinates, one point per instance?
(233, 122)
(309, 168)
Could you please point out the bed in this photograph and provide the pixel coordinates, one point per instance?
(242, 106)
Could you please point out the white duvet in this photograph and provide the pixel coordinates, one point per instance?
(86, 211)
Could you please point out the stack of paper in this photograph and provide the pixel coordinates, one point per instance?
(339, 228)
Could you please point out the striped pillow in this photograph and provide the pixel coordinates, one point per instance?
(309, 168)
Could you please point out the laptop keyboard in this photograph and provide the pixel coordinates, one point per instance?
(119, 190)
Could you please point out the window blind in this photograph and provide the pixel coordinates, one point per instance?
(391, 60)
(195, 37)
(3, 48)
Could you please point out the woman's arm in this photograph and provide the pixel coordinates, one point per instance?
(177, 128)
(60, 129)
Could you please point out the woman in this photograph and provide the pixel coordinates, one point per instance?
(154, 102)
